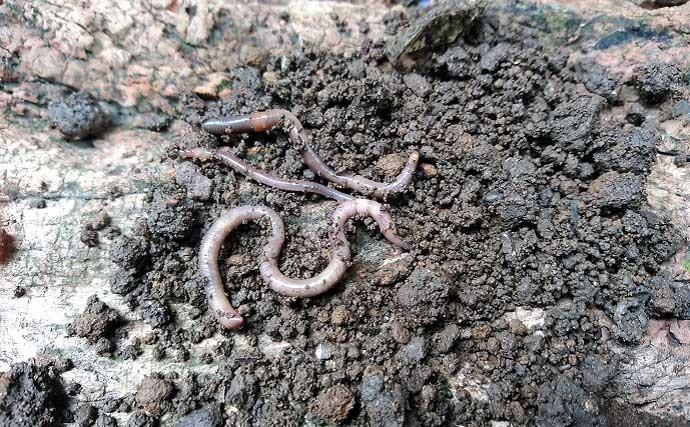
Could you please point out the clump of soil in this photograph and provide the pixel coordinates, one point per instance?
(598, 80)
(152, 393)
(655, 80)
(97, 324)
(525, 202)
(140, 419)
(198, 185)
(334, 404)
(98, 222)
(31, 394)
(78, 116)
(205, 417)
(89, 237)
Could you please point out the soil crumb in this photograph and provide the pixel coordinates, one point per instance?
(97, 324)
(152, 393)
(655, 80)
(78, 116)
(334, 404)
(89, 234)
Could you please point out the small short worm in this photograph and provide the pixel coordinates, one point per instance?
(229, 158)
(268, 265)
(266, 120)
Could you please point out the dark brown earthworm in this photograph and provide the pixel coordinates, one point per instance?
(227, 157)
(268, 266)
(266, 120)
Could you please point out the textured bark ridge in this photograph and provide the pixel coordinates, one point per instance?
(547, 121)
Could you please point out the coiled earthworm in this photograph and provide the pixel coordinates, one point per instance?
(266, 120)
(227, 157)
(268, 265)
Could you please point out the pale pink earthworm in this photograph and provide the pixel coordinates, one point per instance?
(268, 265)
(227, 157)
(213, 240)
(266, 120)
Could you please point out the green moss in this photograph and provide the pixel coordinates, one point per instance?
(225, 84)
(686, 78)
(561, 23)
(561, 20)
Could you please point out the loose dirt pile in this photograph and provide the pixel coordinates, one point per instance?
(534, 249)
(526, 200)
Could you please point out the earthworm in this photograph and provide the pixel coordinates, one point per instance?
(268, 265)
(229, 158)
(266, 120)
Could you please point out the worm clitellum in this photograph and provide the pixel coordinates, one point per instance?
(268, 264)
(266, 120)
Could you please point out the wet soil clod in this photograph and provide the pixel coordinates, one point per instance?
(78, 116)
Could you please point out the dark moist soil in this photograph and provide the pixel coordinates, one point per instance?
(78, 116)
(31, 394)
(525, 199)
